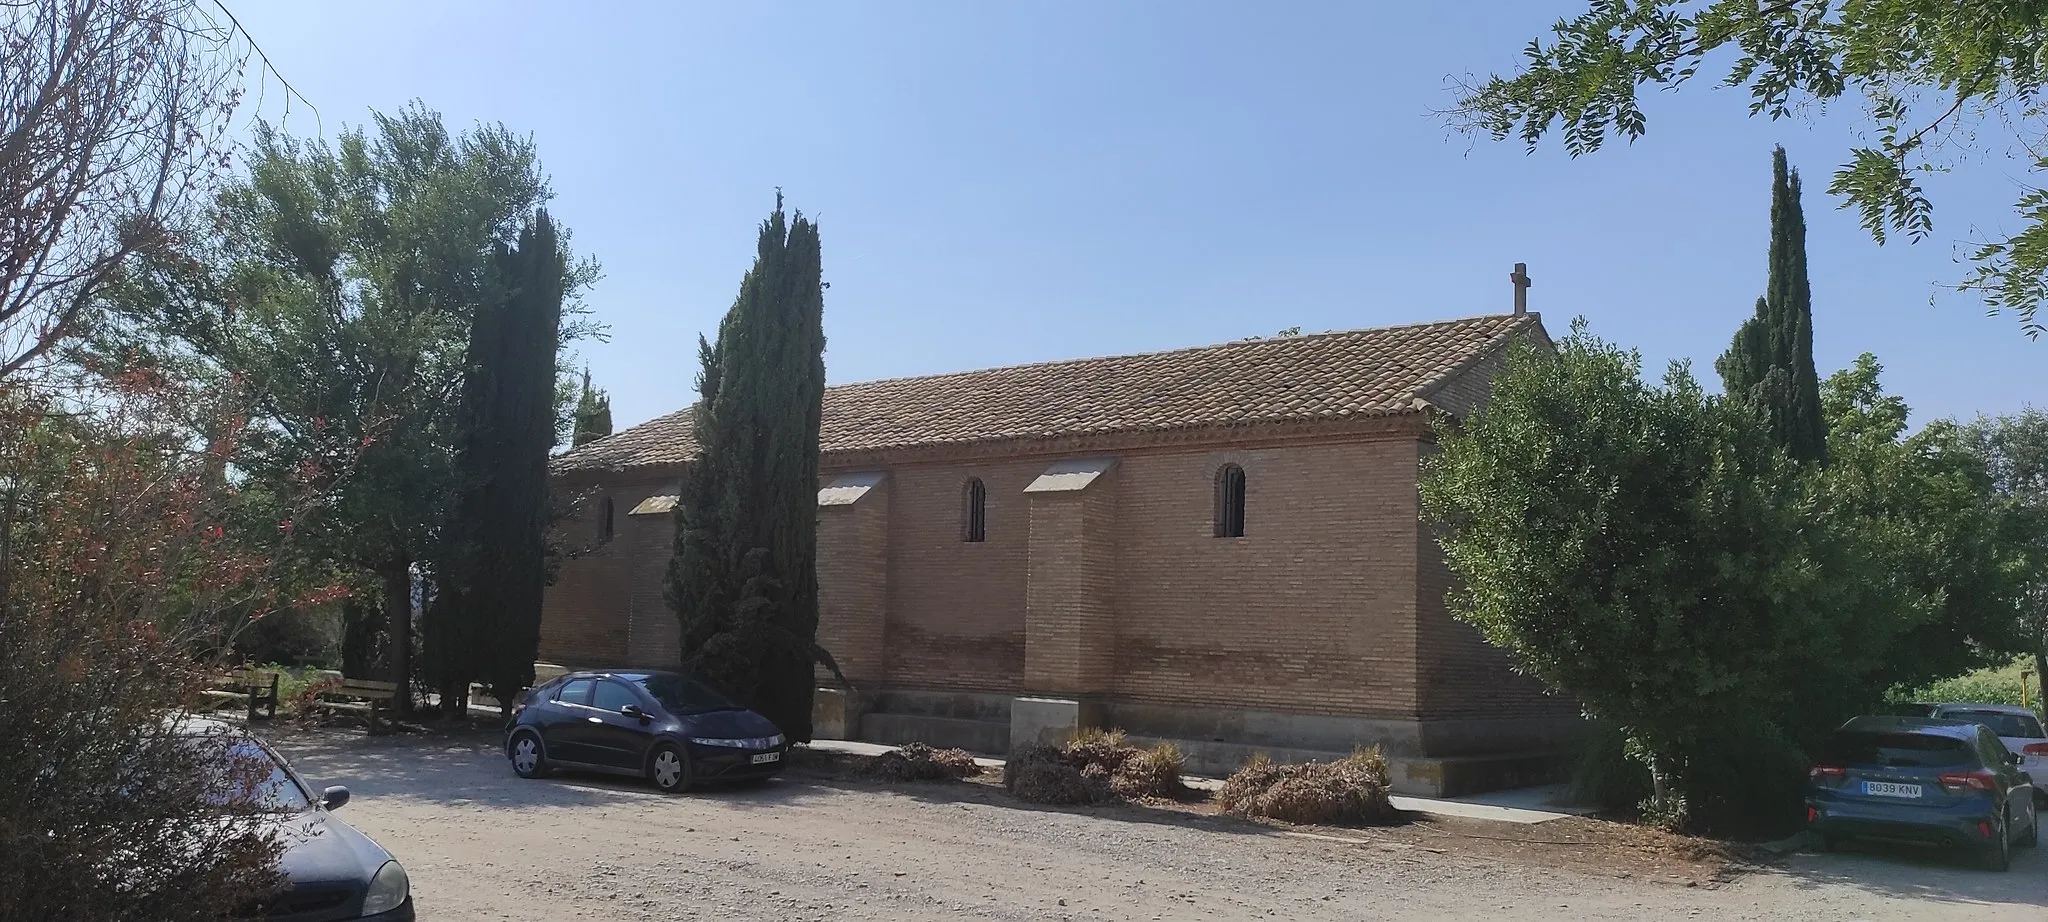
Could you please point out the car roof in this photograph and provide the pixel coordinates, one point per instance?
(1935, 726)
(630, 675)
(202, 725)
(2012, 709)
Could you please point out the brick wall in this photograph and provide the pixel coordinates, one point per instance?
(1070, 595)
(956, 608)
(1461, 675)
(1332, 601)
(587, 615)
(1312, 610)
(853, 585)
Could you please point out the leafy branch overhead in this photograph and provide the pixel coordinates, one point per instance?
(1937, 77)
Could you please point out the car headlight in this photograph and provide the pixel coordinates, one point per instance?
(388, 890)
(759, 742)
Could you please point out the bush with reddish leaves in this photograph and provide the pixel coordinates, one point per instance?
(121, 565)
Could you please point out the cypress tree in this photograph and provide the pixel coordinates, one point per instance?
(743, 579)
(593, 415)
(1769, 366)
(485, 620)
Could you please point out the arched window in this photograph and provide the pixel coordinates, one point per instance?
(974, 511)
(605, 522)
(1230, 502)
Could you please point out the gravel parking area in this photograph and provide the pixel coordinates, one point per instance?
(483, 844)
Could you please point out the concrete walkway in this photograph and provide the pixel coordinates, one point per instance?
(1521, 805)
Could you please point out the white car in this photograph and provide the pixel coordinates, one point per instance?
(2017, 727)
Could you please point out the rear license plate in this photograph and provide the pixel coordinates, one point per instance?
(761, 757)
(1887, 789)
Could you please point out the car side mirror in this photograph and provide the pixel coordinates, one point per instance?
(334, 797)
(2015, 758)
(633, 710)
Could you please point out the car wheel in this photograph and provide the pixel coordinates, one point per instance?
(2033, 836)
(529, 757)
(1999, 856)
(669, 768)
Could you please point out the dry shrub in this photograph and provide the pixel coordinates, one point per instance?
(1042, 774)
(920, 762)
(1106, 748)
(1348, 792)
(1096, 766)
(1150, 773)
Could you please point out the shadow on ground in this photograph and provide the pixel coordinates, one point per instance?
(467, 768)
(1923, 874)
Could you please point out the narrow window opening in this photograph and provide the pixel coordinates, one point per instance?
(1230, 502)
(974, 521)
(605, 522)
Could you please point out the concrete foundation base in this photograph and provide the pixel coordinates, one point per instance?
(949, 720)
(1425, 758)
(1051, 721)
(836, 713)
(1415, 776)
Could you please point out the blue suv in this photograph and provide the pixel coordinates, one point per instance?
(1924, 781)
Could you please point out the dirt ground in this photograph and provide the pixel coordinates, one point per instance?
(481, 843)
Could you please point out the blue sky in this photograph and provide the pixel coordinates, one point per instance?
(1004, 183)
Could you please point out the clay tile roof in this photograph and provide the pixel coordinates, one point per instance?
(1377, 372)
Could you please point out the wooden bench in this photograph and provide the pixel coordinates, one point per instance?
(250, 687)
(367, 697)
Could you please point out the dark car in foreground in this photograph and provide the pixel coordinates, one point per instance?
(1925, 781)
(663, 726)
(332, 871)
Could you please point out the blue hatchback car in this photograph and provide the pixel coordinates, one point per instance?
(1924, 781)
(663, 726)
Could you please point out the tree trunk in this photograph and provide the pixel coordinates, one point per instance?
(2041, 674)
(397, 577)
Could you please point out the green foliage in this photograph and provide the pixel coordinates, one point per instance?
(485, 622)
(337, 283)
(299, 636)
(1999, 684)
(1940, 78)
(2015, 452)
(1924, 519)
(743, 581)
(1651, 552)
(1769, 366)
(593, 414)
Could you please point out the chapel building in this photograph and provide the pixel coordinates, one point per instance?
(1219, 546)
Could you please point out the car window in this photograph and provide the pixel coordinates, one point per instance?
(612, 696)
(247, 775)
(575, 691)
(1896, 749)
(2015, 726)
(1991, 748)
(684, 695)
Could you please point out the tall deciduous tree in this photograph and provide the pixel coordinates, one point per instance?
(1654, 553)
(340, 284)
(485, 621)
(1949, 85)
(743, 580)
(593, 414)
(2015, 450)
(1770, 364)
(113, 117)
